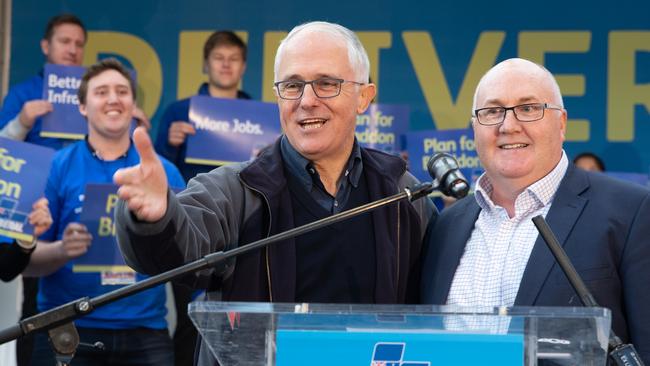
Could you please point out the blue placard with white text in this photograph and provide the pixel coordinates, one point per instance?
(24, 169)
(97, 214)
(422, 145)
(60, 85)
(377, 348)
(382, 127)
(230, 130)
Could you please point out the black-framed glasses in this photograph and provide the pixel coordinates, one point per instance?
(529, 112)
(323, 87)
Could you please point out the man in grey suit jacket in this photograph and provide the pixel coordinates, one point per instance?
(485, 250)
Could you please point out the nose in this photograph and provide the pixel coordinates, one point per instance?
(510, 123)
(309, 97)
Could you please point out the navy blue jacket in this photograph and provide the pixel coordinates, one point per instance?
(604, 226)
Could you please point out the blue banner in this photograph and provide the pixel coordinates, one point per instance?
(60, 87)
(230, 130)
(422, 145)
(427, 55)
(383, 126)
(97, 214)
(387, 348)
(24, 169)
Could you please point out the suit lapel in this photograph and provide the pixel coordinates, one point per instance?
(566, 208)
(461, 225)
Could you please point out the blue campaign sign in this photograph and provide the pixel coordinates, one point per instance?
(422, 145)
(230, 130)
(429, 55)
(383, 126)
(60, 85)
(385, 348)
(24, 169)
(97, 214)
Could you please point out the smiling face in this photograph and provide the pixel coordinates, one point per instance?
(516, 154)
(109, 105)
(321, 129)
(66, 46)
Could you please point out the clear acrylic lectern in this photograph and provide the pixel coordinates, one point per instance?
(400, 335)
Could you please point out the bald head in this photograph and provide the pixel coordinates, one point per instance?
(356, 53)
(534, 74)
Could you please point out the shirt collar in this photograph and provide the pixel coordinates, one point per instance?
(543, 190)
(94, 153)
(303, 169)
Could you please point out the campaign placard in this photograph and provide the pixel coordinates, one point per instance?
(230, 130)
(24, 169)
(60, 86)
(97, 214)
(382, 127)
(422, 145)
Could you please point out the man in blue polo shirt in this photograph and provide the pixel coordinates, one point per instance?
(224, 62)
(20, 117)
(133, 329)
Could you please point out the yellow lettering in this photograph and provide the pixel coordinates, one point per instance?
(106, 227)
(111, 201)
(191, 73)
(271, 43)
(535, 45)
(10, 189)
(445, 113)
(373, 42)
(141, 55)
(623, 93)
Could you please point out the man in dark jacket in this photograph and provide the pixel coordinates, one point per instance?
(314, 170)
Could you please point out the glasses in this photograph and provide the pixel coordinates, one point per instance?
(491, 116)
(323, 87)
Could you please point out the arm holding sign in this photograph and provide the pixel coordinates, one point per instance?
(14, 258)
(50, 256)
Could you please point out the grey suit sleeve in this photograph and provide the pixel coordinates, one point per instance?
(203, 219)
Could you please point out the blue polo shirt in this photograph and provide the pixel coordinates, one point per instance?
(72, 168)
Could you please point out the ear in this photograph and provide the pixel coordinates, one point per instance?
(563, 119)
(368, 92)
(82, 110)
(205, 66)
(45, 47)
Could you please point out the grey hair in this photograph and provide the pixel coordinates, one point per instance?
(518, 62)
(356, 52)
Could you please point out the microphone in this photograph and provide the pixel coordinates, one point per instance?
(443, 168)
(619, 353)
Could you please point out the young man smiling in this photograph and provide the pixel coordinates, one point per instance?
(133, 329)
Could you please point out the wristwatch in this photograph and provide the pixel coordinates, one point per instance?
(27, 246)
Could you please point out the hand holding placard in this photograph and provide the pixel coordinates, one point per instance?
(144, 186)
(76, 240)
(32, 110)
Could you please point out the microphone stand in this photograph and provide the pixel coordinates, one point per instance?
(58, 321)
(619, 353)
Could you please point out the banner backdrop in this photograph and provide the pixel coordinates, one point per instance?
(427, 55)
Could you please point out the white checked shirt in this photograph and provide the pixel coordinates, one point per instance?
(497, 252)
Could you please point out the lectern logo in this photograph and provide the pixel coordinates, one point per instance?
(392, 354)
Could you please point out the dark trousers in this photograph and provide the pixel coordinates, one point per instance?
(24, 345)
(122, 347)
(185, 334)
